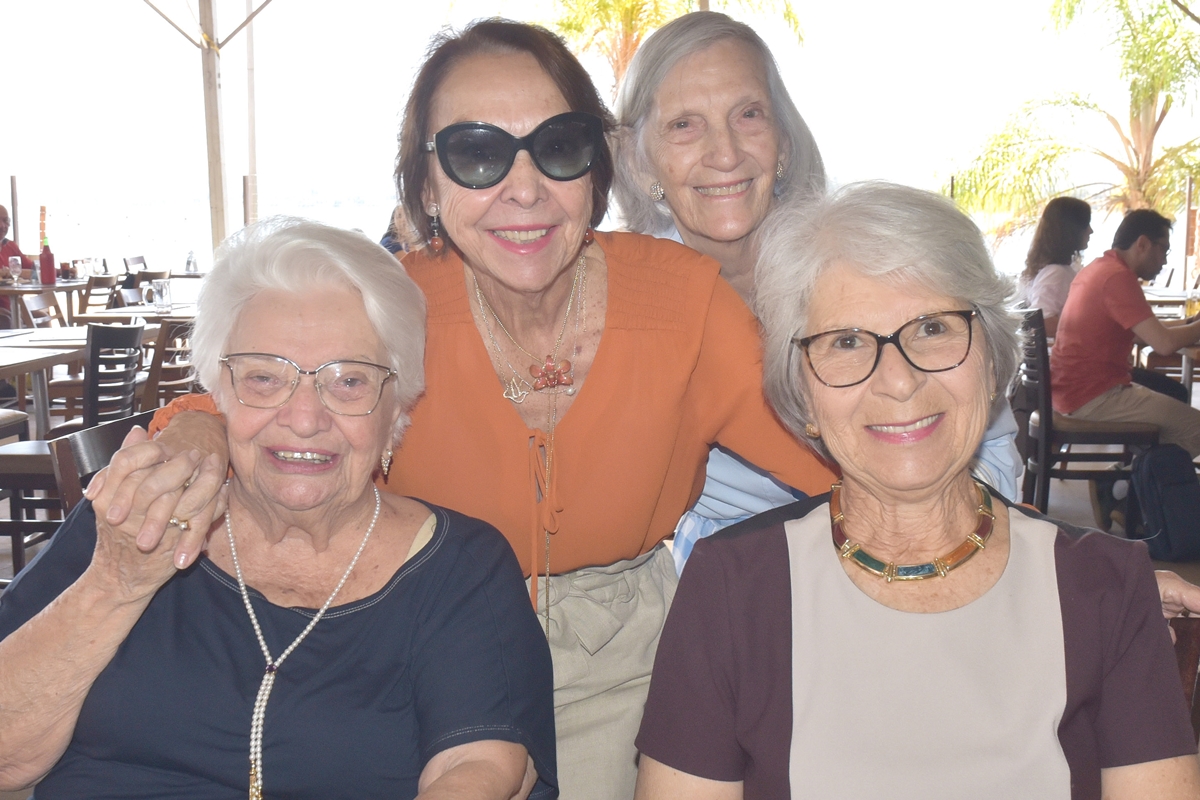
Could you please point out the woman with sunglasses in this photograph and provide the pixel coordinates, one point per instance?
(574, 380)
(908, 635)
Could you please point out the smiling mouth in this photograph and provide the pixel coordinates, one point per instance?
(303, 457)
(719, 191)
(521, 237)
(915, 426)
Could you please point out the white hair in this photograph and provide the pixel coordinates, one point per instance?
(296, 255)
(885, 231)
(654, 60)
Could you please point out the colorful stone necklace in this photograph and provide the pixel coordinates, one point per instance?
(976, 540)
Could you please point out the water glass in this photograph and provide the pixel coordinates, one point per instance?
(14, 267)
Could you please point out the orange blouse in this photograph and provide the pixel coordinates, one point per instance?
(679, 368)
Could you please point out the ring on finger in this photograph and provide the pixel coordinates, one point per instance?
(182, 524)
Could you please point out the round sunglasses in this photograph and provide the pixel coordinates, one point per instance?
(478, 155)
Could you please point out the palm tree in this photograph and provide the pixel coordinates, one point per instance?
(1024, 164)
(616, 28)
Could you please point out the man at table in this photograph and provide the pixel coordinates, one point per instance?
(8, 248)
(1105, 313)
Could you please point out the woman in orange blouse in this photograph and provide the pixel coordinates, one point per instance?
(575, 380)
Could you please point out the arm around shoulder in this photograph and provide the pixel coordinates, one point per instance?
(657, 781)
(1168, 779)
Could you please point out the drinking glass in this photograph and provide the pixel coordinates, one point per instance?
(14, 267)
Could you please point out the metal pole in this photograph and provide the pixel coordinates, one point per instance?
(250, 187)
(210, 61)
(13, 214)
(1190, 222)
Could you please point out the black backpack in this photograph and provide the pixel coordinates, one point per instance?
(1168, 494)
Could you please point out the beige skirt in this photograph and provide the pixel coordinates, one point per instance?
(604, 629)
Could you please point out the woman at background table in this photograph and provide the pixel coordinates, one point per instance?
(575, 380)
(1062, 235)
(709, 142)
(908, 636)
(401, 656)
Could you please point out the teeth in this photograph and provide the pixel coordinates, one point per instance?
(916, 426)
(717, 191)
(521, 237)
(292, 455)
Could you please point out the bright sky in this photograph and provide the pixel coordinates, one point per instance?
(104, 107)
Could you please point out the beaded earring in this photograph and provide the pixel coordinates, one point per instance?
(589, 236)
(811, 431)
(436, 243)
(385, 462)
(656, 192)
(779, 173)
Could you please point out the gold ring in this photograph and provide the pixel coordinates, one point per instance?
(183, 524)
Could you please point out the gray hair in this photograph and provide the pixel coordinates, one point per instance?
(657, 56)
(296, 255)
(889, 232)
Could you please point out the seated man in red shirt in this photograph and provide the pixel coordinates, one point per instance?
(1105, 312)
(8, 248)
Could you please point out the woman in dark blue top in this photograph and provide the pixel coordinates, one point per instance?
(333, 641)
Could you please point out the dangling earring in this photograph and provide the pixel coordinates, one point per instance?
(436, 243)
(656, 192)
(385, 462)
(589, 236)
(779, 173)
(811, 431)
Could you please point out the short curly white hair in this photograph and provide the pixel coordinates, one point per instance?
(297, 255)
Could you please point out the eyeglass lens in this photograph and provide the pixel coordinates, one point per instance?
(931, 343)
(478, 155)
(351, 388)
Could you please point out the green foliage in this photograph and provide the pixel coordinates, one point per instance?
(1022, 166)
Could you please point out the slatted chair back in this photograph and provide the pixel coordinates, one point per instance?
(43, 310)
(170, 374)
(1187, 653)
(79, 456)
(98, 293)
(135, 264)
(125, 297)
(114, 354)
(145, 276)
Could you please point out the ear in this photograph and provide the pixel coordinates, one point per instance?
(428, 195)
(624, 144)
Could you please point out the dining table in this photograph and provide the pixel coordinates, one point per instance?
(15, 290)
(148, 312)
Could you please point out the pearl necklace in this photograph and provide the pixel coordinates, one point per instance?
(268, 681)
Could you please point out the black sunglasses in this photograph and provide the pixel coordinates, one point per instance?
(478, 155)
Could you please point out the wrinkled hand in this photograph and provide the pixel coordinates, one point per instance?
(146, 485)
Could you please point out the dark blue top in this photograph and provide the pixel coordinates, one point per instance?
(448, 652)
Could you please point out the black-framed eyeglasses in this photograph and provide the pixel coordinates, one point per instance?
(347, 388)
(848, 356)
(478, 155)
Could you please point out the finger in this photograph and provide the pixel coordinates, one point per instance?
(207, 496)
(157, 496)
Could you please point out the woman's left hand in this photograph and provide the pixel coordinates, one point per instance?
(134, 480)
(1179, 598)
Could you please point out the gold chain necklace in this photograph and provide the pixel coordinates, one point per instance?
(552, 373)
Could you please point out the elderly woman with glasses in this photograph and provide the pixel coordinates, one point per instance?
(333, 640)
(575, 379)
(909, 634)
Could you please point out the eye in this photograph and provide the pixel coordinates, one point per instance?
(846, 341)
(932, 327)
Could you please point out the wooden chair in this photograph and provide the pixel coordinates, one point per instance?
(1187, 653)
(78, 456)
(145, 276)
(65, 384)
(98, 293)
(170, 373)
(1049, 435)
(125, 297)
(135, 264)
(43, 311)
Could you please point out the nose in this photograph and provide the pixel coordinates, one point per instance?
(304, 413)
(894, 377)
(723, 152)
(524, 183)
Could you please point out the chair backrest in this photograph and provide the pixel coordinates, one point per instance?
(125, 297)
(98, 293)
(43, 310)
(170, 373)
(1187, 654)
(114, 355)
(135, 264)
(145, 276)
(81, 455)
(1034, 372)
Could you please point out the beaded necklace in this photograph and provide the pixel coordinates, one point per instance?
(273, 664)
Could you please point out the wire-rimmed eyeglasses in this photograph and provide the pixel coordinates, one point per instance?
(348, 388)
(848, 356)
